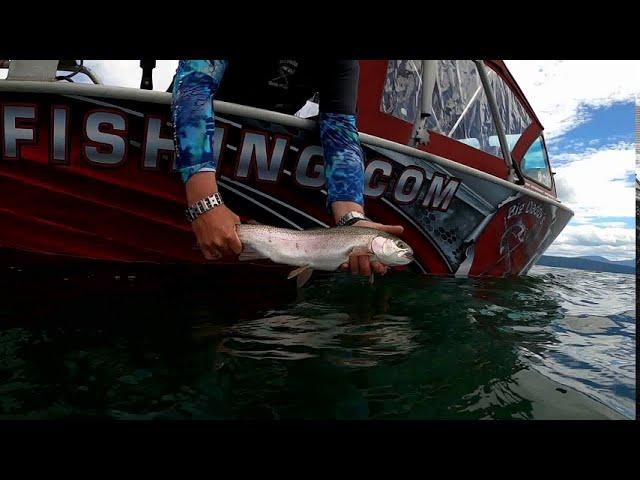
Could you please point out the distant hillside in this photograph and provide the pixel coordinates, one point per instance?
(628, 263)
(587, 263)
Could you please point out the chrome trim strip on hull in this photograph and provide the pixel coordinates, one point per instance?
(223, 184)
(275, 200)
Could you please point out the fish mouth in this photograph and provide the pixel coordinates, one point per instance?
(407, 256)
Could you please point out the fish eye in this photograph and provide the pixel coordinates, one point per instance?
(401, 244)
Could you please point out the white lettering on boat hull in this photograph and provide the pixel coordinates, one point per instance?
(253, 153)
(154, 143)
(106, 132)
(59, 135)
(15, 135)
(303, 177)
(440, 193)
(374, 187)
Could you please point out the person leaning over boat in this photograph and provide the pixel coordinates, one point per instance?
(195, 84)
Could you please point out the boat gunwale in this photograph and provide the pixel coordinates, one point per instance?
(158, 97)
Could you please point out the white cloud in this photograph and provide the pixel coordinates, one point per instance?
(593, 183)
(127, 73)
(614, 243)
(559, 89)
(611, 224)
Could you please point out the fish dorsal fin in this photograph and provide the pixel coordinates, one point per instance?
(251, 221)
(302, 273)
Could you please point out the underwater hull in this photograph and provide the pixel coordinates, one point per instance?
(87, 172)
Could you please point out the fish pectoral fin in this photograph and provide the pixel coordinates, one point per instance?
(303, 273)
(303, 277)
(360, 251)
(297, 271)
(249, 253)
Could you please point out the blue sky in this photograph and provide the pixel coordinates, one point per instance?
(602, 126)
(602, 145)
(588, 111)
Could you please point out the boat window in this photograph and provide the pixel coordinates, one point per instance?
(80, 77)
(535, 163)
(513, 115)
(4, 69)
(402, 86)
(460, 107)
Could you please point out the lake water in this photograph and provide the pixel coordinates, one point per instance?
(557, 344)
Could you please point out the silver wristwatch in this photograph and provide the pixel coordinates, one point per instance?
(350, 218)
(203, 206)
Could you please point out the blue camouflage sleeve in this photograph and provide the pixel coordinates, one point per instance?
(343, 157)
(195, 85)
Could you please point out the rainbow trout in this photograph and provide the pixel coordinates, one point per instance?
(320, 249)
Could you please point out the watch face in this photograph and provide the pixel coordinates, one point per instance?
(350, 218)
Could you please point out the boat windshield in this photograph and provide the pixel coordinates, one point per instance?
(460, 108)
(514, 117)
(535, 163)
(402, 87)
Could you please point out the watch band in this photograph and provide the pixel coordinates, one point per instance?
(350, 218)
(203, 206)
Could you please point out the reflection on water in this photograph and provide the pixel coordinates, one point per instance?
(556, 344)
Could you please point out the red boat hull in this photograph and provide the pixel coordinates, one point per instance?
(117, 198)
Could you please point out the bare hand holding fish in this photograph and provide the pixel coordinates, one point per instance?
(360, 264)
(321, 249)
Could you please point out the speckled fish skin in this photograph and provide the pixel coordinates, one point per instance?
(320, 249)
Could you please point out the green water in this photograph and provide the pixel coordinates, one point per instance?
(556, 344)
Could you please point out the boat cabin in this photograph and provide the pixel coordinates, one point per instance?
(473, 111)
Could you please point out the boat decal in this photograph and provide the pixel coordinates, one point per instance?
(273, 199)
(418, 227)
(465, 190)
(261, 205)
